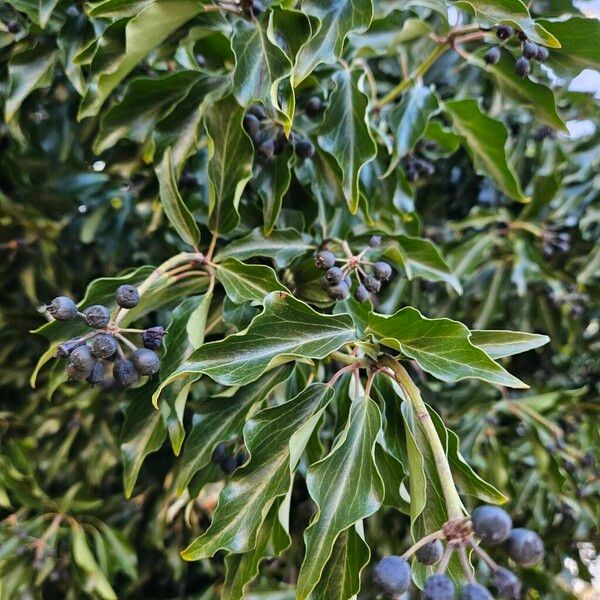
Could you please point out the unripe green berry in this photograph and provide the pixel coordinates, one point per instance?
(97, 316)
(127, 296)
(146, 362)
(62, 308)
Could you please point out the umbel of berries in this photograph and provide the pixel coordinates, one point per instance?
(488, 525)
(91, 356)
(353, 271)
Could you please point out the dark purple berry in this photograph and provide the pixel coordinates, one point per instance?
(474, 591)
(146, 362)
(97, 374)
(127, 296)
(334, 275)
(438, 587)
(13, 26)
(324, 259)
(104, 345)
(530, 49)
(124, 372)
(80, 363)
(281, 142)
(267, 148)
(372, 284)
(588, 460)
(382, 271)
(542, 54)
(431, 553)
(504, 31)
(522, 67)
(525, 547)
(339, 291)
(97, 316)
(508, 584)
(392, 576)
(492, 56)
(491, 524)
(251, 125)
(63, 350)
(258, 111)
(361, 293)
(305, 149)
(314, 107)
(152, 338)
(375, 241)
(62, 308)
(229, 465)
(219, 453)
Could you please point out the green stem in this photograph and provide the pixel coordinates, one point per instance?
(442, 466)
(413, 77)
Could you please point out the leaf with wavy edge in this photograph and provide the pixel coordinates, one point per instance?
(346, 487)
(441, 347)
(275, 438)
(247, 283)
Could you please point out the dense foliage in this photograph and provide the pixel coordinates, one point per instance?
(373, 245)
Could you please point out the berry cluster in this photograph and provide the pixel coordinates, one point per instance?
(492, 526)
(337, 280)
(88, 356)
(268, 137)
(227, 458)
(529, 50)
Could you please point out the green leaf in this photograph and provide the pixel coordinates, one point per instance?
(144, 102)
(286, 329)
(514, 12)
(175, 209)
(421, 258)
(340, 578)
(122, 46)
(245, 283)
(261, 68)
(27, 71)
(440, 347)
(336, 19)
(408, 120)
(275, 438)
(576, 51)
(345, 134)
(539, 98)
(498, 344)
(218, 419)
(346, 486)
(230, 165)
(282, 245)
(485, 139)
(271, 181)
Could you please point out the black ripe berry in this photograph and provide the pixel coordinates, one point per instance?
(267, 148)
(361, 293)
(127, 296)
(542, 54)
(391, 576)
(431, 553)
(339, 291)
(382, 271)
(97, 316)
(334, 275)
(13, 26)
(375, 241)
(491, 524)
(314, 107)
(324, 259)
(229, 465)
(124, 372)
(530, 49)
(219, 453)
(304, 149)
(63, 350)
(372, 284)
(281, 142)
(97, 374)
(62, 308)
(508, 584)
(80, 363)
(474, 591)
(504, 31)
(522, 67)
(104, 345)
(525, 547)
(152, 338)
(438, 587)
(146, 362)
(492, 56)
(258, 111)
(251, 125)
(241, 457)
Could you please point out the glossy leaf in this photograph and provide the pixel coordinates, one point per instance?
(243, 282)
(498, 344)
